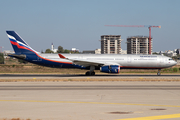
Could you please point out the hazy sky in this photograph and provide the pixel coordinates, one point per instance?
(80, 23)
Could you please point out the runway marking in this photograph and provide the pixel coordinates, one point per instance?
(161, 117)
(89, 103)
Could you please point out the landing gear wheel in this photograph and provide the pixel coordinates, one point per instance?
(90, 73)
(93, 73)
(87, 73)
(159, 72)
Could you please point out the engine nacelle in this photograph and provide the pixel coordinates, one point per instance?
(110, 69)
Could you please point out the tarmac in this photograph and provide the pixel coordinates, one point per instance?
(99, 97)
(82, 77)
(93, 100)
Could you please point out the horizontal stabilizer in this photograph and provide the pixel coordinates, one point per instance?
(18, 56)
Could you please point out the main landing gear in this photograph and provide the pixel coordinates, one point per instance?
(91, 72)
(159, 72)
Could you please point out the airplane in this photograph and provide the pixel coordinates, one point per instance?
(107, 63)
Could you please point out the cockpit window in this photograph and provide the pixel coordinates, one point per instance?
(170, 59)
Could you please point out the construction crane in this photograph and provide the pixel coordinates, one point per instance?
(1, 49)
(149, 26)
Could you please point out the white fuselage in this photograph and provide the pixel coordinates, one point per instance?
(125, 61)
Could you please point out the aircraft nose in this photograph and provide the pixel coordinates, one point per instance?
(175, 62)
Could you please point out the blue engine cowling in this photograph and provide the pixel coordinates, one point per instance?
(110, 69)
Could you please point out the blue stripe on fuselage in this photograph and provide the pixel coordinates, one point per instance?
(33, 58)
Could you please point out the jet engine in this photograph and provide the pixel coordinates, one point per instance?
(110, 69)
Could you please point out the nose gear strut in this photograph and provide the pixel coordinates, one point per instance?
(159, 72)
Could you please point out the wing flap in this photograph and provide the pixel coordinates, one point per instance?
(84, 63)
(87, 63)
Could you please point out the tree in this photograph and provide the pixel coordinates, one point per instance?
(75, 52)
(66, 51)
(1, 58)
(60, 49)
(49, 51)
(155, 53)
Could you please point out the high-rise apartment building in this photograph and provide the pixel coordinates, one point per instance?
(138, 45)
(110, 44)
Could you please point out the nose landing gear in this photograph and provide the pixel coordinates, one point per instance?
(159, 72)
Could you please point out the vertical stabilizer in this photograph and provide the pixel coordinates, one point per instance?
(19, 45)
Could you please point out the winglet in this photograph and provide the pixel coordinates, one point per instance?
(61, 56)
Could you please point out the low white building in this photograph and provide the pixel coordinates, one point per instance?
(170, 53)
(98, 51)
(74, 49)
(52, 49)
(123, 51)
(6, 52)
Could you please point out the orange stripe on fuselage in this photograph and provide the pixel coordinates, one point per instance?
(22, 47)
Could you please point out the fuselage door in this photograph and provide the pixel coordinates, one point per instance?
(161, 59)
(129, 59)
(39, 59)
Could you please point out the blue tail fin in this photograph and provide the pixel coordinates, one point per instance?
(18, 44)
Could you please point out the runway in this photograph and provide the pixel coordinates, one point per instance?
(91, 87)
(98, 76)
(118, 100)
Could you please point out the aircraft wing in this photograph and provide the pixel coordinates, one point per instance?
(85, 63)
